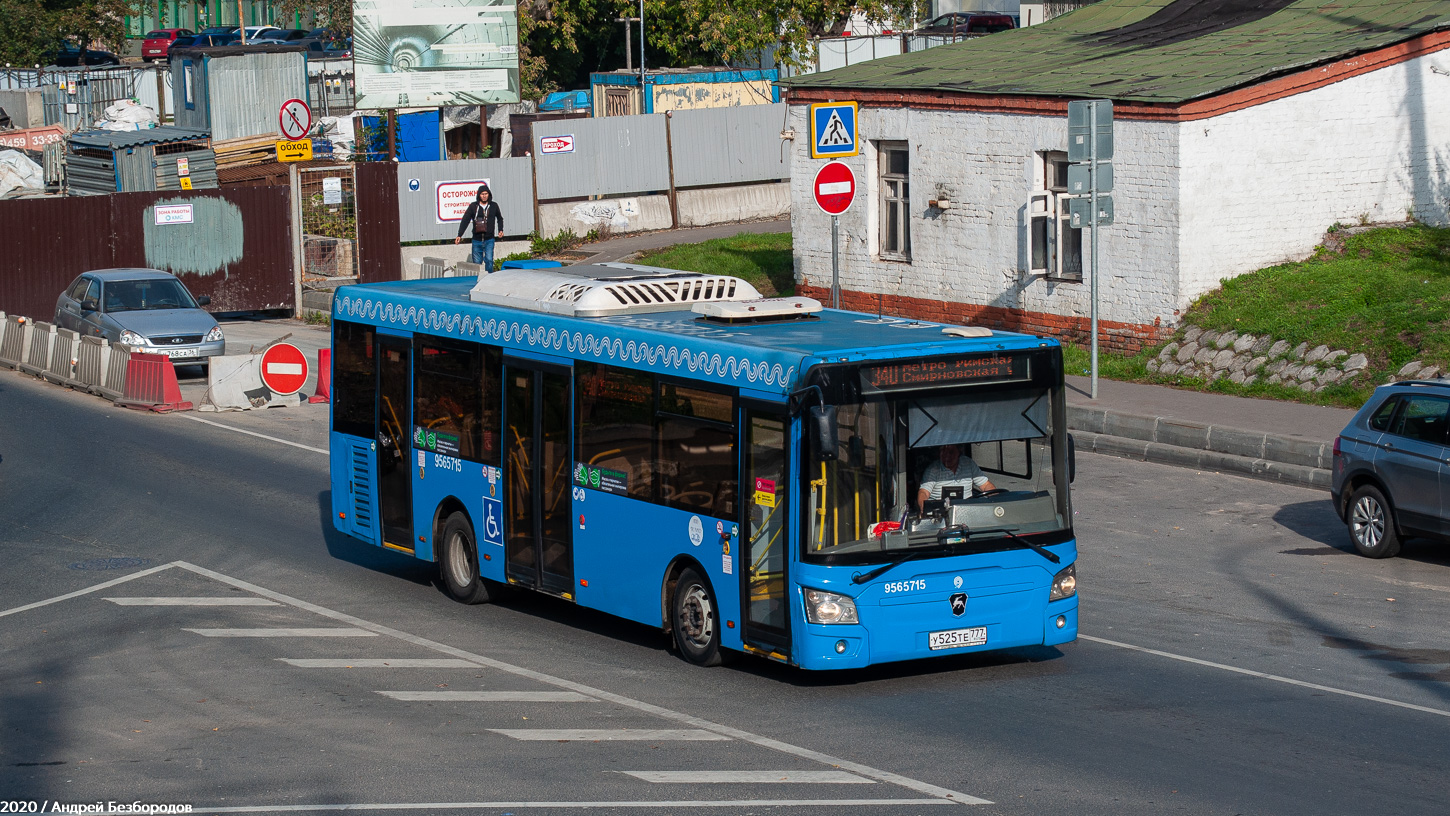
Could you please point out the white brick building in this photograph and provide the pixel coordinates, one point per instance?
(1240, 138)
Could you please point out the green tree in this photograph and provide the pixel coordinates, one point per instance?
(30, 29)
(334, 15)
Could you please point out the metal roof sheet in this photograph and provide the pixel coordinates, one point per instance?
(122, 139)
(1163, 51)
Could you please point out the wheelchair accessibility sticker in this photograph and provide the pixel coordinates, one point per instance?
(492, 526)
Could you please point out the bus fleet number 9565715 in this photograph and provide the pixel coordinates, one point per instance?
(913, 585)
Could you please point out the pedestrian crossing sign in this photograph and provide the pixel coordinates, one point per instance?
(833, 130)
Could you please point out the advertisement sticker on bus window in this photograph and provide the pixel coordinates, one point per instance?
(444, 443)
(596, 478)
(765, 492)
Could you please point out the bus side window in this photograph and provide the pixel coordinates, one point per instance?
(615, 407)
(696, 432)
(355, 380)
(455, 396)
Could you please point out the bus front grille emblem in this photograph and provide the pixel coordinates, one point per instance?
(959, 603)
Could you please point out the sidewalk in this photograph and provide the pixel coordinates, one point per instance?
(1282, 441)
(616, 249)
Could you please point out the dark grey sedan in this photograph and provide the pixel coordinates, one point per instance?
(1392, 467)
(146, 309)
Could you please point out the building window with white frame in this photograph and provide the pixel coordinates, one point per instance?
(1055, 248)
(895, 167)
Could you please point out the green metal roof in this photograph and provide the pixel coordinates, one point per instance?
(1166, 51)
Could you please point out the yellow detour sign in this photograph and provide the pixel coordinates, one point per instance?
(294, 151)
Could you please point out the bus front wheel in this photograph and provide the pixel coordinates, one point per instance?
(458, 562)
(695, 620)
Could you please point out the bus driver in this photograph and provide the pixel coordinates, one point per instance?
(953, 470)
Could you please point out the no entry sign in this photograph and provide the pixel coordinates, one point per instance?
(284, 369)
(834, 188)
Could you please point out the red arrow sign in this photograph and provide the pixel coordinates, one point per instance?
(834, 188)
(284, 369)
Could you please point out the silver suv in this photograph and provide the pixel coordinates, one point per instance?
(1392, 467)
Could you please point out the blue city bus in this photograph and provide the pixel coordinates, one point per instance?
(743, 472)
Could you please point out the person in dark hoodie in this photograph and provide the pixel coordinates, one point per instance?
(487, 220)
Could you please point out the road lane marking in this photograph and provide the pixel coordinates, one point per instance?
(750, 777)
(942, 795)
(379, 663)
(679, 806)
(1265, 676)
(251, 433)
(78, 593)
(270, 633)
(611, 734)
(192, 602)
(488, 696)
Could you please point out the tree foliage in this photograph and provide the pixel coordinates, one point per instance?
(29, 29)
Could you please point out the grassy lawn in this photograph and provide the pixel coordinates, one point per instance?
(761, 259)
(1381, 292)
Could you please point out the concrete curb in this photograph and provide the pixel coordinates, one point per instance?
(1202, 447)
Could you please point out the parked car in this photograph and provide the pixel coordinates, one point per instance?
(257, 32)
(963, 23)
(329, 49)
(147, 309)
(69, 55)
(1391, 465)
(158, 42)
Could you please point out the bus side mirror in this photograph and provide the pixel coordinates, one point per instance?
(823, 425)
(1071, 458)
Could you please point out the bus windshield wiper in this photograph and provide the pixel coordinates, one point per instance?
(1037, 548)
(879, 571)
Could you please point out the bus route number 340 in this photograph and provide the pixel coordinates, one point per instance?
(914, 585)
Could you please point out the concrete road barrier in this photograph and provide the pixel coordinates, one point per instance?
(37, 354)
(234, 383)
(14, 340)
(61, 367)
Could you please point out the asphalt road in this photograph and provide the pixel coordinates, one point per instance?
(1235, 658)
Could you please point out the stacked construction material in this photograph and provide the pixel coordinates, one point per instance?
(245, 151)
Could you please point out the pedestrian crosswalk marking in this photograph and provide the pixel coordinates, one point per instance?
(237, 600)
(265, 633)
(611, 734)
(751, 777)
(488, 696)
(379, 663)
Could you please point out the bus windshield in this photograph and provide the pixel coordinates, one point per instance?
(940, 474)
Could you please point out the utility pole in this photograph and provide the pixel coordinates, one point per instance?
(642, 89)
(628, 43)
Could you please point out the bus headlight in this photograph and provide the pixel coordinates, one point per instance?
(828, 607)
(1064, 584)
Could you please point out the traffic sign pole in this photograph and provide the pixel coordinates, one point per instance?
(835, 262)
(1093, 269)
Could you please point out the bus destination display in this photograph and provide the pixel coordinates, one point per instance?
(948, 371)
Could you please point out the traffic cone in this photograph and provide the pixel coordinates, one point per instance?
(324, 377)
(151, 384)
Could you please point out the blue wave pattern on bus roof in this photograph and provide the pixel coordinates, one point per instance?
(575, 342)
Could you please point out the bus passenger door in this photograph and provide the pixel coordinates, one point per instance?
(538, 500)
(765, 555)
(395, 471)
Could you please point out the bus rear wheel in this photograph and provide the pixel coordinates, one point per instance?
(458, 562)
(695, 620)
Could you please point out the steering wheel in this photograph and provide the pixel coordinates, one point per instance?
(996, 491)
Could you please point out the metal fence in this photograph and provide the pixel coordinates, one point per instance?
(76, 98)
(729, 145)
(235, 246)
(424, 188)
(615, 155)
(624, 155)
(328, 196)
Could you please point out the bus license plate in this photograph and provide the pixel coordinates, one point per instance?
(957, 638)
